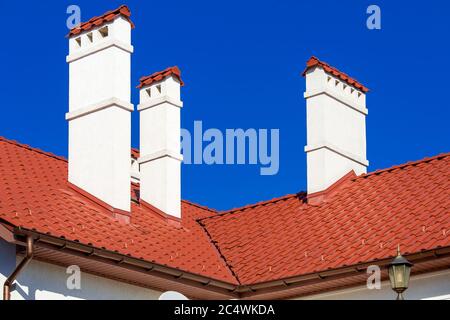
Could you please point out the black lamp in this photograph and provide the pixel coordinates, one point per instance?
(399, 271)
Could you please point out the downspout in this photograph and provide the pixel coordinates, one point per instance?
(22, 264)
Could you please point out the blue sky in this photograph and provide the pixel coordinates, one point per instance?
(241, 62)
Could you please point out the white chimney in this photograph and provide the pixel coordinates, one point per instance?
(99, 107)
(160, 158)
(336, 125)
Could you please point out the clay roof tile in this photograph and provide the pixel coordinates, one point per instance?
(160, 75)
(313, 62)
(123, 11)
(287, 233)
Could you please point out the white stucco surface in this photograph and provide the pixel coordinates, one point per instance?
(336, 130)
(99, 155)
(44, 281)
(160, 159)
(100, 112)
(7, 262)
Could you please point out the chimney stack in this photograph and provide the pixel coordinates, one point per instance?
(99, 107)
(336, 125)
(160, 158)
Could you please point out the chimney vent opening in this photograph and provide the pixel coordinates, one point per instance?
(149, 92)
(89, 36)
(104, 31)
(158, 88)
(78, 41)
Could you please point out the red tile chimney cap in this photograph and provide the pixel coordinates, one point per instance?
(313, 62)
(160, 75)
(123, 11)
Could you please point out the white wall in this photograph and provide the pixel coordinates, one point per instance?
(99, 155)
(100, 113)
(160, 158)
(434, 285)
(100, 69)
(336, 130)
(43, 281)
(7, 262)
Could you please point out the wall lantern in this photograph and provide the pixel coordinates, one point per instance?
(399, 271)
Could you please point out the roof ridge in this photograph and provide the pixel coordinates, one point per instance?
(30, 148)
(257, 204)
(403, 165)
(274, 200)
(199, 205)
(264, 202)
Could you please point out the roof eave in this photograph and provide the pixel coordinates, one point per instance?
(251, 291)
(110, 257)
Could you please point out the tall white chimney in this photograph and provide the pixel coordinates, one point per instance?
(160, 158)
(336, 125)
(99, 107)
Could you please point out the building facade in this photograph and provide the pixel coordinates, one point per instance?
(109, 221)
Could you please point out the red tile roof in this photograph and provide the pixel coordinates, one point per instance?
(160, 75)
(313, 62)
(135, 153)
(35, 194)
(363, 220)
(98, 21)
